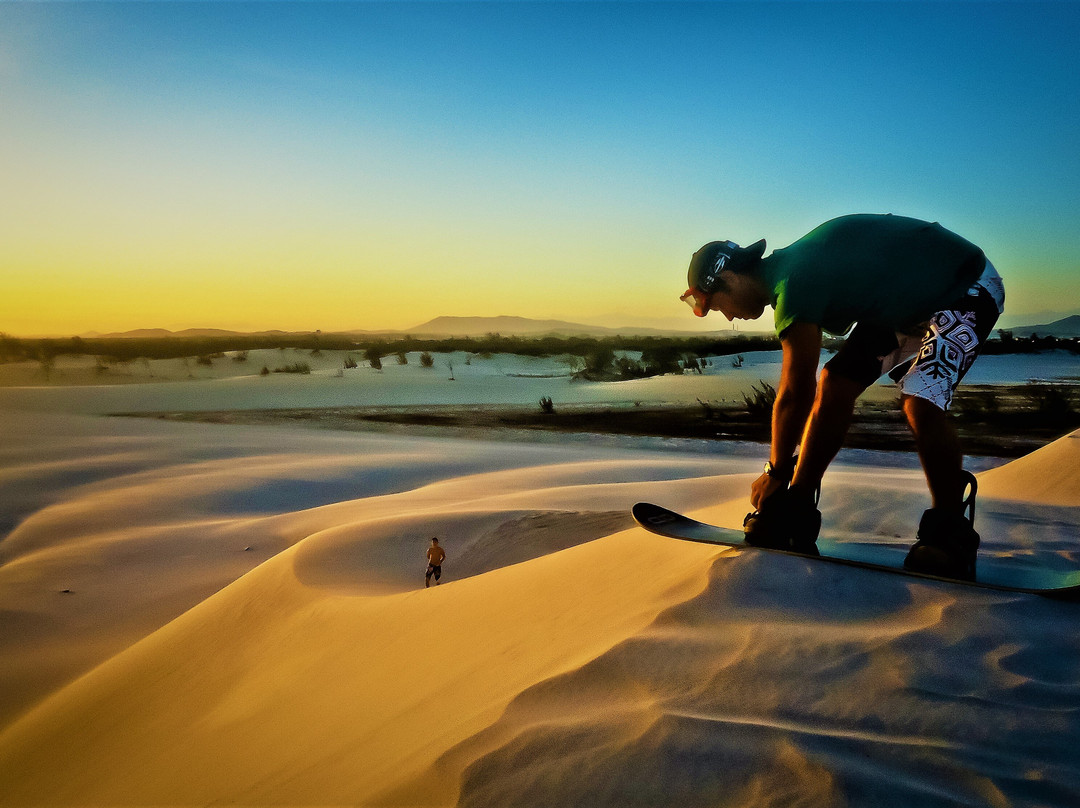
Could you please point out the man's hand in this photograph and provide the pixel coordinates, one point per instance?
(764, 487)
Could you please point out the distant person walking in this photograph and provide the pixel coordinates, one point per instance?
(435, 557)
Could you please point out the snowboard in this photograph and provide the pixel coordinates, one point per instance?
(1002, 574)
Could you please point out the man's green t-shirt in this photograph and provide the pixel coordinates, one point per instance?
(889, 270)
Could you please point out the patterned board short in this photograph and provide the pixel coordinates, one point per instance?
(930, 364)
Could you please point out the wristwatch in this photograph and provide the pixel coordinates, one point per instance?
(784, 473)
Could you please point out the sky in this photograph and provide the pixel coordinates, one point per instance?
(367, 166)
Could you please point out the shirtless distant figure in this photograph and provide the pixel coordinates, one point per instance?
(435, 557)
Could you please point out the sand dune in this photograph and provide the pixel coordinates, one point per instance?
(1047, 476)
(244, 686)
(247, 624)
(156, 517)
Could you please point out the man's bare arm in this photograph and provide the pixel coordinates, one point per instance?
(794, 399)
(798, 385)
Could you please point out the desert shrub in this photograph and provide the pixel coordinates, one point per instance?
(759, 402)
(598, 362)
(694, 363)
(547, 406)
(298, 367)
(1053, 402)
(402, 359)
(426, 360)
(708, 409)
(349, 362)
(627, 368)
(662, 359)
(978, 405)
(12, 350)
(374, 354)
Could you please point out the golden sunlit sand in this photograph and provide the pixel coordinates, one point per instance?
(198, 614)
(232, 235)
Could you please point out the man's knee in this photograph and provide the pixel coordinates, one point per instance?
(917, 405)
(922, 413)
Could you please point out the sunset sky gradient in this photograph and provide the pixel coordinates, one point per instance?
(343, 166)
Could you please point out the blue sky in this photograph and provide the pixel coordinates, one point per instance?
(372, 165)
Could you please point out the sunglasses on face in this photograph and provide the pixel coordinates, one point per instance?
(697, 300)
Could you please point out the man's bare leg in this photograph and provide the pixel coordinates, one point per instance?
(826, 428)
(940, 452)
(947, 542)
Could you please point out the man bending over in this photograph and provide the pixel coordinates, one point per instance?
(921, 299)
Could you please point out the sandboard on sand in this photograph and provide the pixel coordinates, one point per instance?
(991, 573)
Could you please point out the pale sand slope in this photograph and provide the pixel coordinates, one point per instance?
(124, 525)
(605, 667)
(1047, 476)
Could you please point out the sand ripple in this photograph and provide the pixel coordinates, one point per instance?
(199, 614)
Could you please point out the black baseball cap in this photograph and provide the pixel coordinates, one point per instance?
(716, 256)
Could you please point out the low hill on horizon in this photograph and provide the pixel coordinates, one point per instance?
(440, 327)
(1065, 328)
(163, 333)
(505, 325)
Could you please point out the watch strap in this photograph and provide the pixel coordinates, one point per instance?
(783, 473)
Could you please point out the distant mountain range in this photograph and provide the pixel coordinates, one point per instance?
(1067, 327)
(524, 327)
(159, 333)
(1064, 328)
(439, 327)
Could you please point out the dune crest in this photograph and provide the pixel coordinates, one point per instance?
(1047, 476)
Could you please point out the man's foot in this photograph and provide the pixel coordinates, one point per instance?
(946, 544)
(787, 520)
